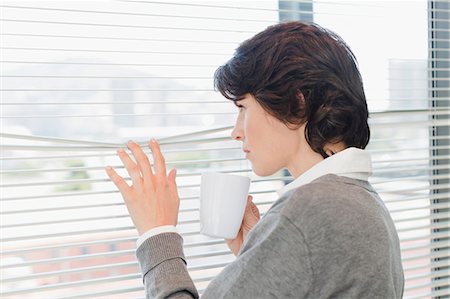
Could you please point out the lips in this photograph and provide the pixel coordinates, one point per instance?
(246, 150)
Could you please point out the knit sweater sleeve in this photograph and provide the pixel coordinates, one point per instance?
(273, 263)
(163, 267)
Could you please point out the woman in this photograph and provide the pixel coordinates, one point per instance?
(301, 107)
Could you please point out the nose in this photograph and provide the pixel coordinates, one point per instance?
(238, 133)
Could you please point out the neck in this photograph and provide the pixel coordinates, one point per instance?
(305, 161)
(306, 158)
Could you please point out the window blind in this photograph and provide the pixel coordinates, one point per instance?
(78, 79)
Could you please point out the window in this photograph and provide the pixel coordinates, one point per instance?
(80, 78)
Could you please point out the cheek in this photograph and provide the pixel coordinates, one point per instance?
(284, 139)
(282, 144)
(251, 130)
(269, 141)
(268, 157)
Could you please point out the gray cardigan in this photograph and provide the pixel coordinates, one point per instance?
(331, 238)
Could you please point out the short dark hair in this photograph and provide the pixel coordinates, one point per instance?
(301, 73)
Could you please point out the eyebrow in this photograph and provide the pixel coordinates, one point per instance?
(236, 102)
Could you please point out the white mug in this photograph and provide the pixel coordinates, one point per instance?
(223, 198)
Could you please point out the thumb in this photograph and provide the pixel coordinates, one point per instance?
(172, 179)
(172, 175)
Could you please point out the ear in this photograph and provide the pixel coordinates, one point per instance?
(333, 148)
(301, 98)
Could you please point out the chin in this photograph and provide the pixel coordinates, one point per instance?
(263, 171)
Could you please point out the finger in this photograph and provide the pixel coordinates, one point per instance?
(131, 167)
(142, 161)
(239, 235)
(249, 201)
(159, 161)
(118, 181)
(172, 181)
(255, 211)
(252, 207)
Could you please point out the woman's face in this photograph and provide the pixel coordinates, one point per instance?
(269, 145)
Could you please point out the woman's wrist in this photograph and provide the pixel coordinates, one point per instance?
(155, 231)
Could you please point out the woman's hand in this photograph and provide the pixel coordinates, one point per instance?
(251, 217)
(152, 200)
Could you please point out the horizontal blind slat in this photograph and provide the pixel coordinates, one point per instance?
(78, 193)
(94, 281)
(122, 25)
(428, 265)
(101, 241)
(108, 292)
(131, 13)
(428, 245)
(434, 293)
(377, 170)
(374, 181)
(115, 38)
(428, 236)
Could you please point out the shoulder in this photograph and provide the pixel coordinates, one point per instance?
(350, 237)
(332, 201)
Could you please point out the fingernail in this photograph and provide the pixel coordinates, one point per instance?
(130, 142)
(120, 151)
(153, 141)
(108, 167)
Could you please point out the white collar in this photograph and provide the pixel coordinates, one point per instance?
(352, 162)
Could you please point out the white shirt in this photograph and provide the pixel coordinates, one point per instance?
(352, 162)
